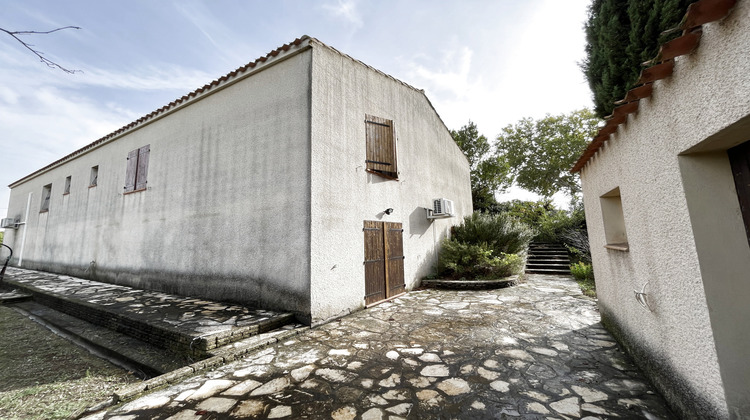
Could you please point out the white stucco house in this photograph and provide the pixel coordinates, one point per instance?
(666, 187)
(299, 182)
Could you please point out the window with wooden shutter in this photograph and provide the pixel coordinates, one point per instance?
(46, 194)
(137, 169)
(94, 178)
(381, 147)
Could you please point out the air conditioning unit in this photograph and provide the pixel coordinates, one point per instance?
(8, 223)
(442, 207)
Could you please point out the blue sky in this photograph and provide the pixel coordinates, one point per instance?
(493, 62)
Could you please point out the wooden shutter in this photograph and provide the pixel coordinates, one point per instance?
(130, 172)
(381, 146)
(394, 254)
(739, 158)
(142, 172)
(375, 289)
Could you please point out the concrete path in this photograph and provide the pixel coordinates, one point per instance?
(536, 350)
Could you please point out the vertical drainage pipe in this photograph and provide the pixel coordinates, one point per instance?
(25, 229)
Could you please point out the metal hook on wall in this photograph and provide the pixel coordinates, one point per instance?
(642, 297)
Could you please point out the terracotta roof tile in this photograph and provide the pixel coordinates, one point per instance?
(208, 87)
(205, 88)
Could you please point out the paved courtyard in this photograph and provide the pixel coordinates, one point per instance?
(536, 350)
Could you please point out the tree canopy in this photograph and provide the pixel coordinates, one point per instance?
(489, 174)
(620, 35)
(540, 153)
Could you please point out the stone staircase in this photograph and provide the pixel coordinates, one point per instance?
(548, 259)
(153, 331)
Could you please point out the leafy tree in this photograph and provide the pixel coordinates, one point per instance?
(540, 153)
(620, 35)
(489, 174)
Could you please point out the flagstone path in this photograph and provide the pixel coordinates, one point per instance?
(532, 351)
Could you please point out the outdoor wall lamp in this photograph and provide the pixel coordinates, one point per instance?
(388, 211)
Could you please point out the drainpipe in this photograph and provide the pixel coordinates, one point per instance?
(25, 228)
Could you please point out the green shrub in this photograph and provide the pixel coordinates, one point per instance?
(475, 261)
(584, 274)
(582, 271)
(549, 222)
(502, 233)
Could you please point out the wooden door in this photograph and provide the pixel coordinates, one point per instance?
(384, 260)
(394, 258)
(739, 158)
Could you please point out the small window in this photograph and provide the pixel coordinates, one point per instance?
(67, 185)
(94, 176)
(381, 147)
(46, 194)
(137, 169)
(614, 221)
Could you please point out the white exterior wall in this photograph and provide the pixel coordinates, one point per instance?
(344, 195)
(226, 214)
(684, 228)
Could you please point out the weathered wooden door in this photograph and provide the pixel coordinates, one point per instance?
(384, 260)
(739, 158)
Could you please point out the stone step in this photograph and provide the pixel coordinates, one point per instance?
(182, 325)
(13, 296)
(551, 248)
(546, 271)
(135, 355)
(550, 266)
(549, 257)
(547, 252)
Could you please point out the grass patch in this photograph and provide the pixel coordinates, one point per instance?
(584, 275)
(46, 376)
(588, 287)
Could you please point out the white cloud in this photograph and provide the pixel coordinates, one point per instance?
(452, 76)
(162, 77)
(346, 10)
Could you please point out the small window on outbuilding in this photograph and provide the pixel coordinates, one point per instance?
(46, 194)
(614, 221)
(137, 169)
(94, 176)
(67, 185)
(381, 147)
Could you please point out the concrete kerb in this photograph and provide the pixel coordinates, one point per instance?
(134, 391)
(472, 284)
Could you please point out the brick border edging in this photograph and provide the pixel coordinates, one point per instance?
(130, 392)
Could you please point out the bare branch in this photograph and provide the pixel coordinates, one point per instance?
(40, 54)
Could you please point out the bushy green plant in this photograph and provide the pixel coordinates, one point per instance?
(475, 261)
(502, 233)
(582, 271)
(549, 222)
(584, 274)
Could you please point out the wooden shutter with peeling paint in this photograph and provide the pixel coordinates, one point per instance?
(140, 179)
(131, 170)
(381, 147)
(137, 169)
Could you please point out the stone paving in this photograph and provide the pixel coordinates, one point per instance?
(533, 351)
(170, 321)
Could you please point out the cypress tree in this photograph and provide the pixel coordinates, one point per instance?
(620, 35)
